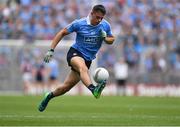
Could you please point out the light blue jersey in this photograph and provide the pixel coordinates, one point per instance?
(88, 40)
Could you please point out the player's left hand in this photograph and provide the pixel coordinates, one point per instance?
(103, 34)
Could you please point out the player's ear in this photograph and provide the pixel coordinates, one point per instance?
(91, 13)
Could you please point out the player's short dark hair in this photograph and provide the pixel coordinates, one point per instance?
(100, 8)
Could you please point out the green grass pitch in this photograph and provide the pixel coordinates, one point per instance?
(88, 111)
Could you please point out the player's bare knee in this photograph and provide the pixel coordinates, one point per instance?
(83, 69)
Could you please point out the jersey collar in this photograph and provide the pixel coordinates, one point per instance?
(88, 20)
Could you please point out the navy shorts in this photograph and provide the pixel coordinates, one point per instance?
(72, 53)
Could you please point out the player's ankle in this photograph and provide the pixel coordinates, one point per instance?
(50, 95)
(91, 87)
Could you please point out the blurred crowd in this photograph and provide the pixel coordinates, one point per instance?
(39, 19)
(147, 31)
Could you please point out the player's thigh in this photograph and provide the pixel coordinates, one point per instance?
(78, 63)
(72, 79)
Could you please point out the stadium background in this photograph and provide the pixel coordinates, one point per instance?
(147, 36)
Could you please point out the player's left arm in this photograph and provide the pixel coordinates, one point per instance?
(106, 33)
(109, 40)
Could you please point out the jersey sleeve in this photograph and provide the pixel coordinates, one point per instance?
(108, 30)
(72, 27)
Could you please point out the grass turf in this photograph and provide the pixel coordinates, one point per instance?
(88, 111)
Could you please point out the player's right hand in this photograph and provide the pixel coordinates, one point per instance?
(48, 55)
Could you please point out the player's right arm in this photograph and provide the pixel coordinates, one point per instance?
(69, 29)
(58, 37)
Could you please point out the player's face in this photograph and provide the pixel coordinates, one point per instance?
(96, 18)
